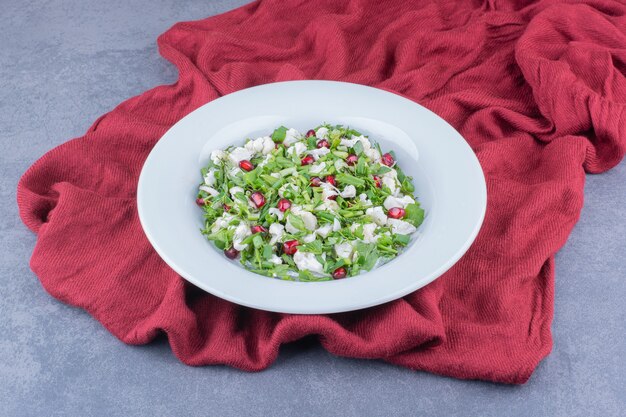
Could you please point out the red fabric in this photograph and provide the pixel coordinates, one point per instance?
(538, 90)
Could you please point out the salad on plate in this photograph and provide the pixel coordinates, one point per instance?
(324, 205)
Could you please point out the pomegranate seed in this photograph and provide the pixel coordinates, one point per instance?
(315, 182)
(257, 199)
(387, 159)
(352, 159)
(290, 247)
(246, 165)
(310, 133)
(276, 145)
(283, 204)
(257, 228)
(200, 201)
(231, 253)
(323, 144)
(331, 180)
(377, 181)
(332, 197)
(307, 160)
(396, 212)
(227, 207)
(339, 273)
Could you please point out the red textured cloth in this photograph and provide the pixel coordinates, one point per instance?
(538, 90)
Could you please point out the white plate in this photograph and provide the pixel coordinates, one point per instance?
(447, 176)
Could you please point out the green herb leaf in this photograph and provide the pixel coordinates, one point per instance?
(414, 214)
(358, 148)
(279, 134)
(296, 222)
(350, 179)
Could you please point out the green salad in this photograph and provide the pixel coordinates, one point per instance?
(325, 205)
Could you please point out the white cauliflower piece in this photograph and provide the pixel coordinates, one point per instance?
(279, 214)
(321, 133)
(328, 190)
(309, 219)
(241, 232)
(366, 201)
(328, 205)
(299, 148)
(209, 178)
(402, 202)
(401, 227)
(368, 233)
(212, 191)
(276, 260)
(325, 230)
(344, 250)
(217, 156)
(348, 192)
(239, 154)
(307, 261)
(309, 238)
(292, 136)
(377, 215)
(277, 231)
(317, 168)
(234, 190)
(318, 153)
(221, 222)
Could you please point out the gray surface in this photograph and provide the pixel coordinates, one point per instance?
(62, 64)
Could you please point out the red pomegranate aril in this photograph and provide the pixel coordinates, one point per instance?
(310, 133)
(331, 180)
(283, 204)
(396, 212)
(377, 181)
(339, 273)
(352, 159)
(388, 160)
(226, 207)
(257, 228)
(290, 247)
(332, 197)
(307, 160)
(231, 253)
(200, 201)
(323, 144)
(246, 165)
(257, 199)
(315, 181)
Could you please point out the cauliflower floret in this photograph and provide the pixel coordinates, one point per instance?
(401, 227)
(336, 225)
(221, 222)
(402, 202)
(217, 156)
(309, 238)
(276, 260)
(239, 154)
(325, 230)
(377, 215)
(212, 191)
(344, 250)
(241, 232)
(209, 178)
(321, 133)
(263, 145)
(373, 154)
(307, 261)
(340, 164)
(265, 160)
(234, 190)
(276, 232)
(368, 233)
(318, 153)
(299, 148)
(348, 192)
(328, 205)
(292, 136)
(328, 190)
(317, 168)
(310, 221)
(366, 201)
(279, 214)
